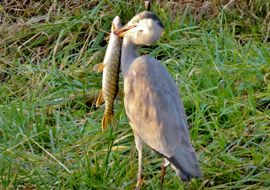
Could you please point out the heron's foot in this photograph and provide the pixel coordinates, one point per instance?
(163, 172)
(139, 183)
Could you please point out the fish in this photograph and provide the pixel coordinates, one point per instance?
(110, 77)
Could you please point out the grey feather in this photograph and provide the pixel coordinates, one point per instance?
(161, 119)
(152, 100)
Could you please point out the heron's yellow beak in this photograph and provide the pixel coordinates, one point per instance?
(122, 31)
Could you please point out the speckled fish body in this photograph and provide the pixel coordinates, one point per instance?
(111, 64)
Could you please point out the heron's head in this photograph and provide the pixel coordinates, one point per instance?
(143, 29)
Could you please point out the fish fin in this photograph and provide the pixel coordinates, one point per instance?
(100, 99)
(98, 68)
(108, 119)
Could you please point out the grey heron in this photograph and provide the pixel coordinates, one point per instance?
(152, 101)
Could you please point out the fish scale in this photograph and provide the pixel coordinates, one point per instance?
(110, 66)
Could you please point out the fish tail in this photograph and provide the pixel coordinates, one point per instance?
(108, 119)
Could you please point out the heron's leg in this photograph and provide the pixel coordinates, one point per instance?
(139, 147)
(163, 170)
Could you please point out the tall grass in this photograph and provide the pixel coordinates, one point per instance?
(50, 134)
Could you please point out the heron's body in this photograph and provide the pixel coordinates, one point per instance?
(153, 104)
(148, 90)
(110, 67)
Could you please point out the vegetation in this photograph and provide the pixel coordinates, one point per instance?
(50, 134)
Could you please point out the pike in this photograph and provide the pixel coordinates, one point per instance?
(110, 76)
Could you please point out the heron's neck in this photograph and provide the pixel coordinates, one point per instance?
(129, 54)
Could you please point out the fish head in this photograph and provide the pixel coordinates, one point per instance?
(116, 24)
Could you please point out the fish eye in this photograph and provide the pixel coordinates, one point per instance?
(135, 21)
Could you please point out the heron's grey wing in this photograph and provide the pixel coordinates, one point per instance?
(153, 106)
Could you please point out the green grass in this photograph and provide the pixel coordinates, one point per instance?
(50, 133)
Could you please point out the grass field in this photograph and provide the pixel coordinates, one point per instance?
(50, 133)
